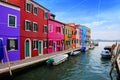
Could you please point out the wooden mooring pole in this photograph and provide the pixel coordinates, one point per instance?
(115, 53)
(8, 61)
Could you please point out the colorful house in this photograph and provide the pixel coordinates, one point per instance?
(55, 34)
(78, 36)
(88, 37)
(83, 35)
(9, 31)
(33, 29)
(73, 28)
(68, 36)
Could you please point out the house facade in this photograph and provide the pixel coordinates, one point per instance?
(33, 29)
(9, 32)
(68, 36)
(83, 36)
(55, 34)
(78, 36)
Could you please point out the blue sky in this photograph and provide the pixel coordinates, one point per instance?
(102, 16)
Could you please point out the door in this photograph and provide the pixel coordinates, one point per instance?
(27, 49)
(1, 51)
(54, 46)
(40, 47)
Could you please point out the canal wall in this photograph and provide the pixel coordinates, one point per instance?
(30, 61)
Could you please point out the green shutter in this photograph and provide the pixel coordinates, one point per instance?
(37, 27)
(37, 44)
(31, 26)
(8, 44)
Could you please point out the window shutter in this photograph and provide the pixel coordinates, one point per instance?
(47, 43)
(8, 44)
(31, 26)
(31, 8)
(37, 27)
(32, 44)
(43, 43)
(37, 44)
(24, 24)
(16, 44)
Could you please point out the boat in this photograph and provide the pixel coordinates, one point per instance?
(57, 59)
(106, 54)
(73, 53)
(91, 46)
(96, 44)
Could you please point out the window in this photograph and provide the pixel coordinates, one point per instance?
(58, 42)
(66, 31)
(12, 21)
(28, 7)
(50, 43)
(46, 15)
(45, 44)
(12, 44)
(76, 40)
(50, 28)
(35, 44)
(45, 29)
(35, 27)
(58, 29)
(28, 25)
(36, 10)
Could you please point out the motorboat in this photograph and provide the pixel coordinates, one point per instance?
(57, 59)
(73, 53)
(106, 54)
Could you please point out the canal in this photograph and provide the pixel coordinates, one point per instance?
(85, 66)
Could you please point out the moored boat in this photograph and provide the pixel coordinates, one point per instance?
(106, 54)
(73, 53)
(57, 59)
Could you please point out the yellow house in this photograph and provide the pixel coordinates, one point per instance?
(68, 36)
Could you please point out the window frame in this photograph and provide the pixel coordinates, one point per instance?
(30, 7)
(15, 21)
(51, 28)
(45, 30)
(45, 15)
(15, 47)
(29, 26)
(34, 10)
(35, 44)
(45, 43)
(36, 28)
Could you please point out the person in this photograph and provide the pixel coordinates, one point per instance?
(1, 51)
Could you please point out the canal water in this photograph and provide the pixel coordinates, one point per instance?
(85, 66)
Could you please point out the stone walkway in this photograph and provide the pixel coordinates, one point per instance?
(26, 62)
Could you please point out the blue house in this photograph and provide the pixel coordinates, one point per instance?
(83, 36)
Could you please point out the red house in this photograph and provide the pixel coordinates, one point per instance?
(33, 28)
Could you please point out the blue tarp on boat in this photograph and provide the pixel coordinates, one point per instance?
(1, 50)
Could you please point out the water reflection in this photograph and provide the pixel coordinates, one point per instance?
(86, 66)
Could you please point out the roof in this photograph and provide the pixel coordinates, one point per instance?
(9, 3)
(57, 21)
(40, 5)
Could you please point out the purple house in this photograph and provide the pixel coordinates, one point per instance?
(9, 31)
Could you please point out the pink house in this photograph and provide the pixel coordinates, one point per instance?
(55, 34)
